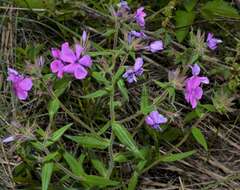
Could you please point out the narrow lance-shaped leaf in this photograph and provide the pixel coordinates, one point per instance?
(57, 134)
(46, 174)
(73, 164)
(197, 134)
(176, 157)
(90, 141)
(144, 104)
(99, 166)
(99, 181)
(123, 89)
(98, 93)
(53, 107)
(125, 138)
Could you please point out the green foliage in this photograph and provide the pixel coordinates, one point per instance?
(197, 134)
(46, 174)
(219, 8)
(91, 134)
(36, 4)
(126, 139)
(90, 141)
(176, 157)
(184, 20)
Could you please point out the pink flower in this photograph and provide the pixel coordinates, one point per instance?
(21, 84)
(212, 42)
(193, 91)
(154, 119)
(139, 16)
(68, 61)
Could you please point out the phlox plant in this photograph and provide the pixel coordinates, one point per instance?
(108, 102)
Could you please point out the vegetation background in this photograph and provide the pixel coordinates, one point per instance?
(91, 134)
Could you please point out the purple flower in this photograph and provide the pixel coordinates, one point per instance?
(155, 46)
(9, 139)
(124, 9)
(212, 42)
(68, 61)
(136, 34)
(154, 119)
(124, 5)
(84, 37)
(132, 72)
(21, 84)
(193, 91)
(139, 16)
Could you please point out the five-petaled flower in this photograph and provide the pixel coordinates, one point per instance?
(139, 16)
(68, 61)
(132, 72)
(193, 91)
(155, 119)
(212, 42)
(21, 84)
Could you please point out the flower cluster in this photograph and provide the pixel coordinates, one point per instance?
(193, 90)
(69, 61)
(75, 61)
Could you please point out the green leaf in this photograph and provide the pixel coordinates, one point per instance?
(90, 141)
(184, 20)
(57, 134)
(118, 74)
(61, 85)
(98, 93)
(133, 181)
(37, 4)
(189, 4)
(109, 32)
(73, 164)
(176, 157)
(123, 89)
(99, 181)
(219, 8)
(125, 138)
(99, 166)
(197, 134)
(144, 104)
(53, 107)
(46, 174)
(50, 156)
(99, 76)
(122, 157)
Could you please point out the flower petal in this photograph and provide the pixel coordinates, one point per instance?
(25, 84)
(86, 61)
(70, 68)
(156, 46)
(56, 65)
(21, 94)
(196, 69)
(149, 120)
(67, 54)
(55, 52)
(193, 102)
(79, 49)
(138, 64)
(80, 72)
